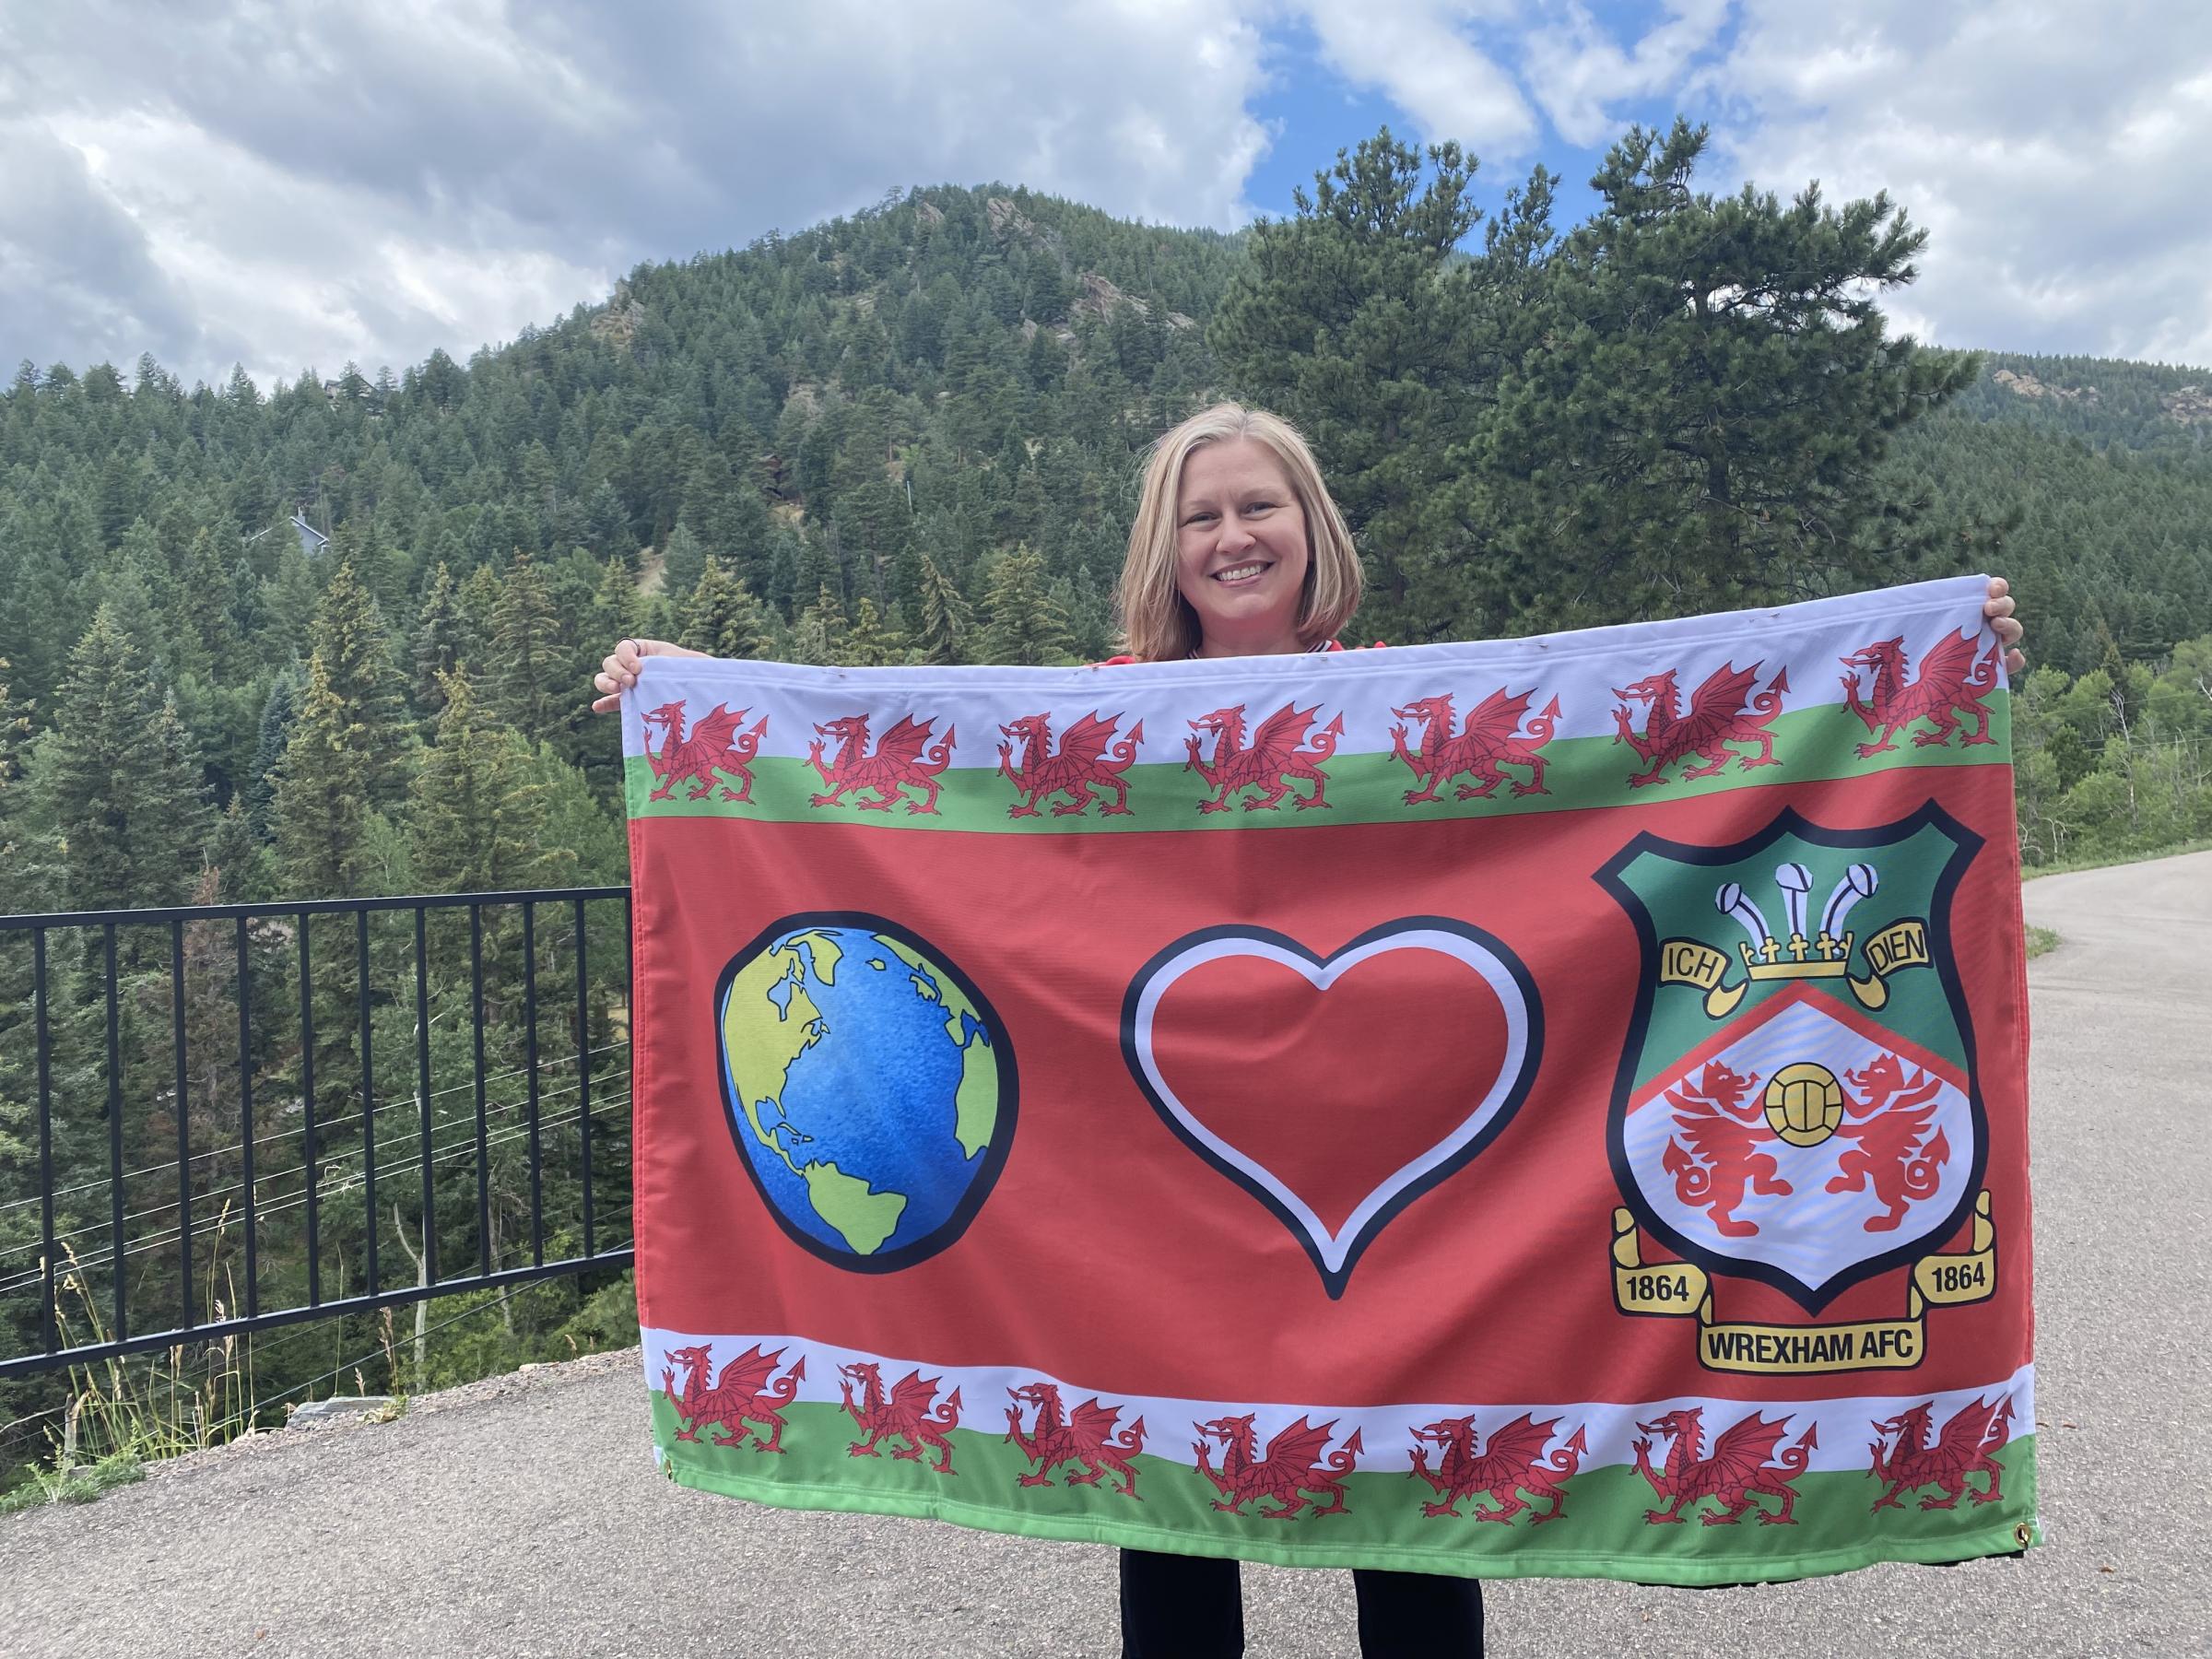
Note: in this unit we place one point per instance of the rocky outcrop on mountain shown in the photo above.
(1101, 299)
(2192, 405)
(2026, 385)
(617, 321)
(1009, 220)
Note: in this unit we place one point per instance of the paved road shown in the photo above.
(521, 1516)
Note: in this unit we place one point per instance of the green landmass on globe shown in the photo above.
(770, 1018)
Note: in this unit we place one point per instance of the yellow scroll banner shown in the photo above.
(1681, 1289)
(1903, 944)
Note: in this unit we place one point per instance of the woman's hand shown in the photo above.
(2008, 632)
(618, 673)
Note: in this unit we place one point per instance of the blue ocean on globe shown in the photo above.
(863, 1087)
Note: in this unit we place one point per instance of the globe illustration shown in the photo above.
(870, 1087)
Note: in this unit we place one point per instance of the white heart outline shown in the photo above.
(1336, 1252)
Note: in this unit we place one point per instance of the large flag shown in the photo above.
(1553, 1106)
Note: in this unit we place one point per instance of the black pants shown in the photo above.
(1193, 1608)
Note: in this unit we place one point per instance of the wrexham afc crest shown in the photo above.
(1796, 1103)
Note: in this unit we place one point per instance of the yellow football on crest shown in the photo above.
(1804, 1103)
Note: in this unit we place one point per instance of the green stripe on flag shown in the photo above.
(1601, 1534)
(1811, 746)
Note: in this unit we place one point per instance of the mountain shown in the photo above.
(915, 430)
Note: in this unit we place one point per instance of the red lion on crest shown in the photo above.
(1716, 717)
(714, 746)
(903, 760)
(1892, 1154)
(1714, 1155)
(1269, 762)
(1513, 1463)
(1089, 758)
(1087, 1438)
(1292, 1466)
(1736, 1476)
(1922, 1458)
(1492, 737)
(736, 1399)
(1950, 685)
(904, 1413)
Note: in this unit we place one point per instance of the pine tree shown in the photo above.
(479, 597)
(948, 621)
(606, 523)
(873, 641)
(1353, 322)
(682, 560)
(1025, 626)
(120, 781)
(723, 619)
(237, 858)
(527, 652)
(440, 638)
(615, 612)
(278, 711)
(350, 641)
(1701, 422)
(202, 610)
(322, 804)
(475, 811)
(819, 634)
(15, 736)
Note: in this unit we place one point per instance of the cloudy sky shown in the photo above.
(282, 183)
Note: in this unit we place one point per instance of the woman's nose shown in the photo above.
(1234, 537)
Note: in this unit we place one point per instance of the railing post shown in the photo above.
(309, 1158)
(584, 1074)
(115, 1254)
(367, 1040)
(49, 1331)
(186, 1315)
(245, 1113)
(537, 1203)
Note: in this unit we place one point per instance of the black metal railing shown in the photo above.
(215, 1118)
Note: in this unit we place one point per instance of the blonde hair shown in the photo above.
(1158, 622)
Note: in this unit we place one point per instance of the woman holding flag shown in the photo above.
(1237, 550)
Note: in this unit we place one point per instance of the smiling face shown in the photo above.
(1240, 549)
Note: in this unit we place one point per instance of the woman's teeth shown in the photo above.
(1244, 572)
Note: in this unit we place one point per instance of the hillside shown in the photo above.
(916, 428)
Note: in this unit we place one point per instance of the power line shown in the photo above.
(392, 1103)
(326, 1193)
(216, 1195)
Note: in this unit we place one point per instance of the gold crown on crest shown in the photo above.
(1826, 954)
(1803, 953)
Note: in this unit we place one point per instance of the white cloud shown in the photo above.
(1420, 55)
(2053, 151)
(298, 183)
(1577, 70)
(285, 183)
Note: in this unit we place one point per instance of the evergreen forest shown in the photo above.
(330, 637)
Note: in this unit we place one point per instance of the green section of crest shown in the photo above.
(1813, 745)
(1603, 1533)
(1680, 898)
